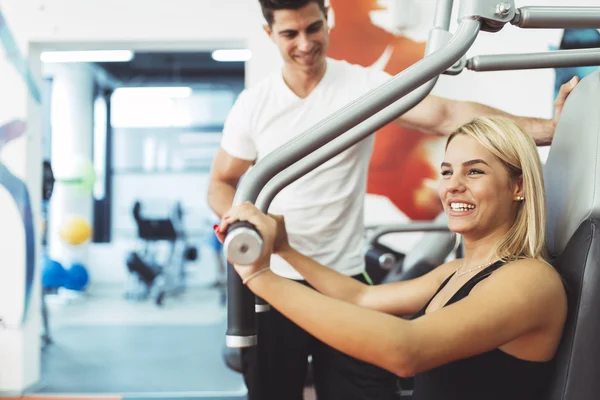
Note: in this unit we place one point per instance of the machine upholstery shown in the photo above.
(573, 206)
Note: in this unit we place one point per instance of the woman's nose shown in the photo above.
(455, 184)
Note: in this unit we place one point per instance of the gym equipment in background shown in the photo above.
(77, 277)
(75, 231)
(150, 277)
(445, 54)
(48, 282)
(47, 180)
(380, 260)
(54, 275)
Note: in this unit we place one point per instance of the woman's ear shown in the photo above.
(518, 194)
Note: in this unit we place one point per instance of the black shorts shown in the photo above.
(276, 369)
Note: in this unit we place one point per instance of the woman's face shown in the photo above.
(476, 190)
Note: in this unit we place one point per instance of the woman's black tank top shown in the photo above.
(494, 375)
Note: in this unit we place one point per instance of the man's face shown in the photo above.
(301, 35)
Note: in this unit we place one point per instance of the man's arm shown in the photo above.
(441, 116)
(224, 176)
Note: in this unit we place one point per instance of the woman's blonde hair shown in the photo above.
(511, 145)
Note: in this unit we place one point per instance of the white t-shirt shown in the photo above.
(323, 209)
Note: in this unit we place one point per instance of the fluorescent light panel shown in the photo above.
(168, 91)
(231, 55)
(86, 56)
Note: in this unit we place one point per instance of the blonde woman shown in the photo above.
(483, 327)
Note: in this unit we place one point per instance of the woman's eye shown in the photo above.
(475, 172)
(446, 173)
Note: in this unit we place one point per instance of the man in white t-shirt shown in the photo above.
(323, 209)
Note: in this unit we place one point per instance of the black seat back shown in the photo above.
(572, 180)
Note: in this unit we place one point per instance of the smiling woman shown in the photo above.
(475, 323)
(491, 172)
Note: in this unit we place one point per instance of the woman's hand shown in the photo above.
(271, 229)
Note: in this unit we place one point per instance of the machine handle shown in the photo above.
(243, 243)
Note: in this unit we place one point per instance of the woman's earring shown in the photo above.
(520, 198)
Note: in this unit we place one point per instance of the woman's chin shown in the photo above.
(458, 228)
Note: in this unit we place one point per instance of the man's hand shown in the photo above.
(559, 102)
(281, 243)
(265, 225)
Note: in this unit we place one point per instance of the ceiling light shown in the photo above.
(168, 91)
(231, 55)
(86, 56)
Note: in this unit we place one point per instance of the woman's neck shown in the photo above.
(482, 249)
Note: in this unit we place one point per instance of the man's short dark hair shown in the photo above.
(268, 6)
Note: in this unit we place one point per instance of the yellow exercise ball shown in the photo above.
(75, 231)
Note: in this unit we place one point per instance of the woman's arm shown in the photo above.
(398, 298)
(516, 300)
(401, 298)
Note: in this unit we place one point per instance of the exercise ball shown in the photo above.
(53, 274)
(75, 231)
(77, 277)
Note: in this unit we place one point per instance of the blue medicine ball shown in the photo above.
(53, 274)
(77, 277)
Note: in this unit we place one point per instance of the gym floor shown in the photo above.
(106, 347)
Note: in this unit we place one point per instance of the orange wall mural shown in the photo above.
(400, 166)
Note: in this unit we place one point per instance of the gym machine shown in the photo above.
(445, 54)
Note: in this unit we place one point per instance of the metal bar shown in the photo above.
(240, 332)
(557, 17)
(405, 228)
(492, 14)
(241, 324)
(443, 14)
(338, 145)
(356, 112)
(439, 37)
(552, 59)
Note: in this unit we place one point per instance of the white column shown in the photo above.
(72, 130)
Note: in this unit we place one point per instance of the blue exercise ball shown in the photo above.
(77, 277)
(54, 274)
